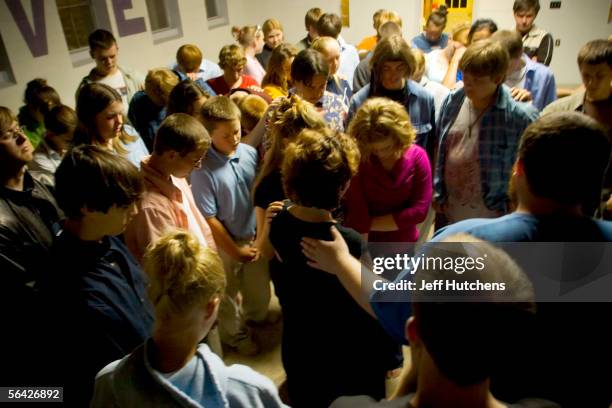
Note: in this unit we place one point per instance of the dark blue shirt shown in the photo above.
(97, 301)
(146, 117)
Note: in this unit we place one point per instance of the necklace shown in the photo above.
(480, 115)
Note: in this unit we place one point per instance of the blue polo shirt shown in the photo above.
(208, 70)
(222, 189)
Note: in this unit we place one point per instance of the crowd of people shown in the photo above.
(141, 229)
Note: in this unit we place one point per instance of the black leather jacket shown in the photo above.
(26, 219)
(26, 233)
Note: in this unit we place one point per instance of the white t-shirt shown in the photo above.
(439, 92)
(117, 82)
(436, 65)
(462, 169)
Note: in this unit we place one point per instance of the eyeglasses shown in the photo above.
(198, 163)
(14, 133)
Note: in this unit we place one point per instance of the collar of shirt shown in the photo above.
(578, 100)
(222, 158)
(83, 251)
(433, 43)
(156, 179)
(533, 32)
(28, 188)
(501, 102)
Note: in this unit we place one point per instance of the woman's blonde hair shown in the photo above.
(246, 35)
(183, 274)
(231, 56)
(378, 120)
(318, 166)
(291, 116)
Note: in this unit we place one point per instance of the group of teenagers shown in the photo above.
(140, 231)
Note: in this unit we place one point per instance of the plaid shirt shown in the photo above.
(501, 128)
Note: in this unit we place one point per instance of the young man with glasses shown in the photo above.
(180, 145)
(28, 212)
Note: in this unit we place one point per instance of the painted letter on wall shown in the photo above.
(127, 27)
(35, 35)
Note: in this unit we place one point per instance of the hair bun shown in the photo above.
(442, 10)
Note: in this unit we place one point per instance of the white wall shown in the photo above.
(575, 23)
(136, 51)
(291, 14)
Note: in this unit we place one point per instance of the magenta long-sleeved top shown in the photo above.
(404, 192)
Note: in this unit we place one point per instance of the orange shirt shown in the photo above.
(367, 44)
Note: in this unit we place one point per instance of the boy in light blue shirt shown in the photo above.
(222, 191)
(528, 80)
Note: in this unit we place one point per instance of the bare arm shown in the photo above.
(256, 136)
(226, 243)
(264, 217)
(450, 79)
